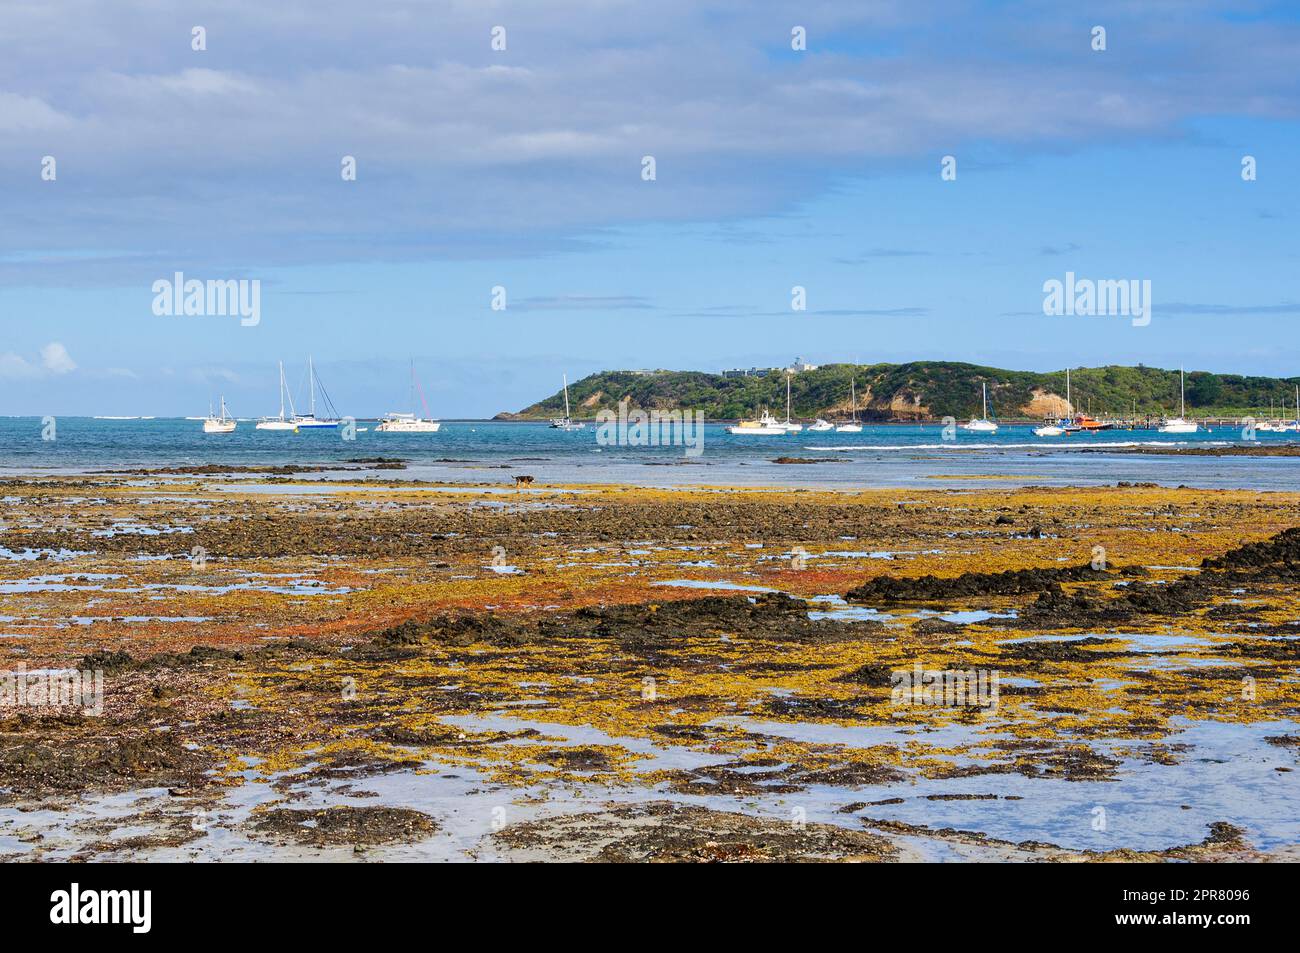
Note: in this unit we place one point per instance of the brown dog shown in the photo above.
(522, 480)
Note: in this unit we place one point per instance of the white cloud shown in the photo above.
(56, 359)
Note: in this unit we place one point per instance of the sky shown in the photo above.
(479, 168)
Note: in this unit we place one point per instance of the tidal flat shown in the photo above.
(407, 670)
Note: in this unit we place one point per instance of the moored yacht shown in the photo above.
(766, 425)
(1180, 424)
(566, 422)
(853, 426)
(410, 423)
(983, 424)
(309, 420)
(222, 424)
(282, 422)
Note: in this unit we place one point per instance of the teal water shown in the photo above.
(886, 455)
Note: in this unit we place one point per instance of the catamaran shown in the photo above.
(410, 423)
(789, 425)
(766, 425)
(983, 424)
(853, 426)
(1057, 428)
(223, 424)
(309, 420)
(282, 422)
(1180, 424)
(566, 422)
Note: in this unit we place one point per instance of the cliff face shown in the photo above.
(920, 390)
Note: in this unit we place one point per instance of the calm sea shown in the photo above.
(894, 456)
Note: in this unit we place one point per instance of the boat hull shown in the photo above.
(408, 426)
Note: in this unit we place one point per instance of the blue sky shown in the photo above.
(522, 169)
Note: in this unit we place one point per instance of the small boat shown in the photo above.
(282, 422)
(1058, 427)
(789, 425)
(983, 424)
(820, 426)
(566, 422)
(223, 424)
(410, 423)
(853, 426)
(766, 425)
(309, 420)
(1180, 424)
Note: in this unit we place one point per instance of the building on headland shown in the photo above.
(799, 365)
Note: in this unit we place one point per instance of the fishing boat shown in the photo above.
(853, 426)
(1179, 424)
(1057, 428)
(309, 420)
(282, 422)
(222, 424)
(766, 425)
(789, 425)
(410, 423)
(982, 424)
(566, 422)
(820, 426)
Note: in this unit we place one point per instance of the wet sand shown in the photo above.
(594, 672)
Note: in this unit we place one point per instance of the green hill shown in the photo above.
(925, 390)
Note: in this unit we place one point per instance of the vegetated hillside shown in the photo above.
(924, 390)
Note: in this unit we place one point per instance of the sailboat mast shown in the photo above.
(311, 384)
(282, 390)
(566, 397)
(985, 392)
(1182, 395)
(1069, 411)
(787, 398)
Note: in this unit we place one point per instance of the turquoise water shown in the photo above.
(491, 451)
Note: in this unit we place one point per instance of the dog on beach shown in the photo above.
(522, 480)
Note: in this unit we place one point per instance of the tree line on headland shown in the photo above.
(925, 390)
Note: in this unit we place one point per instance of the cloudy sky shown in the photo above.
(522, 168)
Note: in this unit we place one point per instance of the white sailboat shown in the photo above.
(566, 422)
(983, 424)
(223, 424)
(309, 420)
(854, 426)
(766, 425)
(282, 422)
(410, 423)
(789, 425)
(1057, 429)
(1180, 424)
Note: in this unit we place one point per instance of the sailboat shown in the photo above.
(790, 426)
(309, 420)
(766, 425)
(1180, 424)
(282, 422)
(853, 426)
(1057, 429)
(983, 424)
(223, 424)
(1293, 426)
(410, 423)
(566, 422)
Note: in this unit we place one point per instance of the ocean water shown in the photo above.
(492, 451)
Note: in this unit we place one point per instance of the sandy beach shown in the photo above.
(410, 670)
